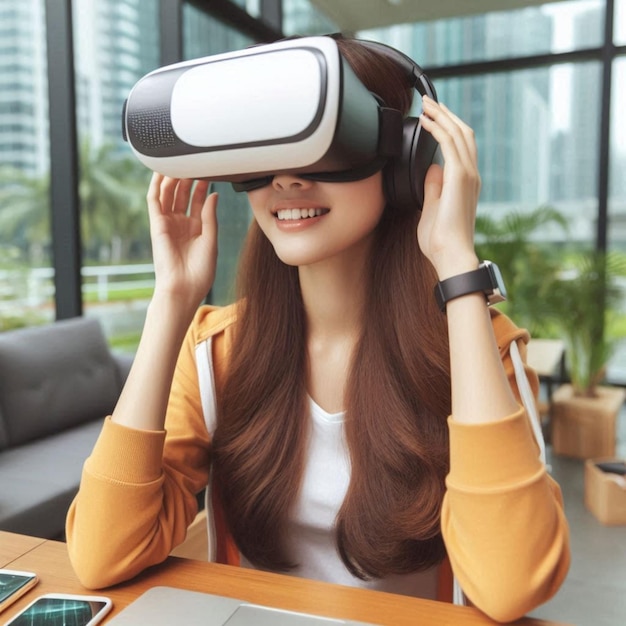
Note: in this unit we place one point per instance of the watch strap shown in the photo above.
(482, 280)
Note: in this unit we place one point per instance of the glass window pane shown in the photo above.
(204, 36)
(620, 23)
(617, 173)
(116, 42)
(301, 17)
(555, 27)
(617, 200)
(253, 7)
(535, 143)
(26, 273)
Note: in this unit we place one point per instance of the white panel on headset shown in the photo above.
(237, 89)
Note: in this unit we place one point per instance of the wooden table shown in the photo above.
(49, 559)
(13, 546)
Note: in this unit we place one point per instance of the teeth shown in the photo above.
(298, 214)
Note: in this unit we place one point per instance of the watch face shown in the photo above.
(499, 289)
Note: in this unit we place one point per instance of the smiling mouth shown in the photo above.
(299, 214)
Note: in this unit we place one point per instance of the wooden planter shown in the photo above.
(585, 427)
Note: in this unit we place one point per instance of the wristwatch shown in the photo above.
(486, 279)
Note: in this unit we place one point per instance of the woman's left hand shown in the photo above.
(446, 228)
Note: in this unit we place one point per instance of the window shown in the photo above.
(617, 178)
(548, 111)
(115, 43)
(203, 35)
(617, 191)
(620, 23)
(534, 145)
(26, 274)
(302, 17)
(253, 7)
(557, 27)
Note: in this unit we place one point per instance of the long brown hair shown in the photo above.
(397, 396)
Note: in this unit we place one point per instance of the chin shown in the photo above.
(299, 260)
(300, 257)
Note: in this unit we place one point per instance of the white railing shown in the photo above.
(35, 286)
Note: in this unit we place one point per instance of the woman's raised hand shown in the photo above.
(183, 229)
(446, 228)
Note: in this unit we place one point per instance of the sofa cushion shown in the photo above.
(54, 377)
(40, 479)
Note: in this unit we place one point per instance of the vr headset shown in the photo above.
(291, 106)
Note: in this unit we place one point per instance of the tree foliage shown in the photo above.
(585, 299)
(113, 216)
(564, 291)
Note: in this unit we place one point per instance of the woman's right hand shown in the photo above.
(183, 229)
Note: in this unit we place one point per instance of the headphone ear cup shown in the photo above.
(404, 175)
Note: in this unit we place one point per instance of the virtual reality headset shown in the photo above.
(291, 106)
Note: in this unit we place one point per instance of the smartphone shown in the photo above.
(14, 584)
(54, 609)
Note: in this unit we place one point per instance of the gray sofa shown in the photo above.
(57, 383)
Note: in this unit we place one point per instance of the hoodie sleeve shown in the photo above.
(138, 489)
(502, 518)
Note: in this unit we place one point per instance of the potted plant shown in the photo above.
(573, 296)
(584, 301)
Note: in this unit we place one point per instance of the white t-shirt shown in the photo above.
(311, 530)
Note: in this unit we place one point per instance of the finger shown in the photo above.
(153, 196)
(458, 162)
(448, 125)
(459, 132)
(449, 148)
(181, 195)
(198, 198)
(167, 191)
(470, 137)
(208, 214)
(208, 218)
(441, 113)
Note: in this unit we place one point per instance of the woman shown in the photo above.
(361, 435)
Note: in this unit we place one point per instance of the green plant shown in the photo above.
(527, 263)
(584, 301)
(558, 292)
(19, 319)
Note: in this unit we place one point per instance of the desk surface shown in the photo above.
(50, 561)
(13, 546)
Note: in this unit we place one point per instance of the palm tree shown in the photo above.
(112, 203)
(112, 198)
(24, 214)
(585, 300)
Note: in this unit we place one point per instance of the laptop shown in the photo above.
(169, 606)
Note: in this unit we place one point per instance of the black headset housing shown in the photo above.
(404, 174)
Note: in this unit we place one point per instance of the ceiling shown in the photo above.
(354, 15)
